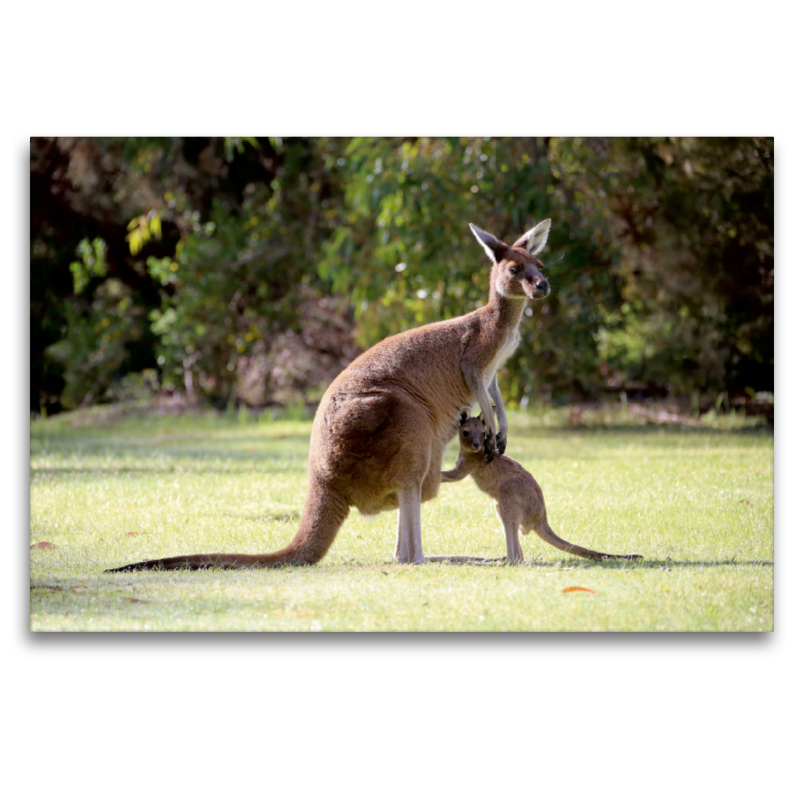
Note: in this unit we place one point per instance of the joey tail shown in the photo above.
(323, 515)
(545, 532)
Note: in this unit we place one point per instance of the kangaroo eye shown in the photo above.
(515, 270)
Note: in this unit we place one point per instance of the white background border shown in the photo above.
(383, 716)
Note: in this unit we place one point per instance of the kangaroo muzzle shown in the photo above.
(537, 289)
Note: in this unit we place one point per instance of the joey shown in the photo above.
(518, 498)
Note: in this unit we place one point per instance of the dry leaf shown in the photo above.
(42, 545)
(134, 533)
(134, 600)
(578, 589)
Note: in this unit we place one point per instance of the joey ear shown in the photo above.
(464, 417)
(494, 248)
(536, 238)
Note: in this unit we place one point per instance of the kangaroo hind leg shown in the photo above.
(509, 520)
(409, 526)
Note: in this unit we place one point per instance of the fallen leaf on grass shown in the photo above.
(578, 589)
(42, 545)
(134, 533)
(134, 600)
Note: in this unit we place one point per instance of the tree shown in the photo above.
(233, 267)
(181, 255)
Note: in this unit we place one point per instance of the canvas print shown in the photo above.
(412, 384)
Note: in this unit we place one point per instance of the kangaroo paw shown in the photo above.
(489, 449)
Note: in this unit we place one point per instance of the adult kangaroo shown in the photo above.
(381, 428)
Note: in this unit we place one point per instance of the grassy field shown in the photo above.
(697, 503)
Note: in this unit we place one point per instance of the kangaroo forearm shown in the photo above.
(474, 379)
(488, 412)
(458, 473)
(500, 409)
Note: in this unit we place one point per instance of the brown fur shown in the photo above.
(381, 428)
(518, 498)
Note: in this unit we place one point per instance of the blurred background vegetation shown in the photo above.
(250, 271)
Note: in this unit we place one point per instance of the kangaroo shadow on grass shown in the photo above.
(614, 564)
(669, 563)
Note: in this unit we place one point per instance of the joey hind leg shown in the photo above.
(511, 526)
(409, 526)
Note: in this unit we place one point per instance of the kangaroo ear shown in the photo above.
(464, 417)
(494, 248)
(536, 238)
(482, 418)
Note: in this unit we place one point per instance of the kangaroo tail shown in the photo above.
(546, 533)
(323, 515)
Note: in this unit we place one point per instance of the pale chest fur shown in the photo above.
(502, 355)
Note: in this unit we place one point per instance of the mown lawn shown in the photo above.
(696, 503)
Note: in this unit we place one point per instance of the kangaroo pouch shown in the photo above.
(368, 444)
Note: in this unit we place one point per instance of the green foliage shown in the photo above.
(91, 265)
(96, 348)
(240, 276)
(406, 256)
(706, 273)
(141, 229)
(235, 144)
(660, 257)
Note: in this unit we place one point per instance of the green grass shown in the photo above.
(696, 503)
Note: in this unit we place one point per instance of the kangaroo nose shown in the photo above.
(542, 285)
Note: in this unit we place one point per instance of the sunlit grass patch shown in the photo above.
(697, 504)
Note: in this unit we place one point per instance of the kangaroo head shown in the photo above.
(517, 272)
(471, 434)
